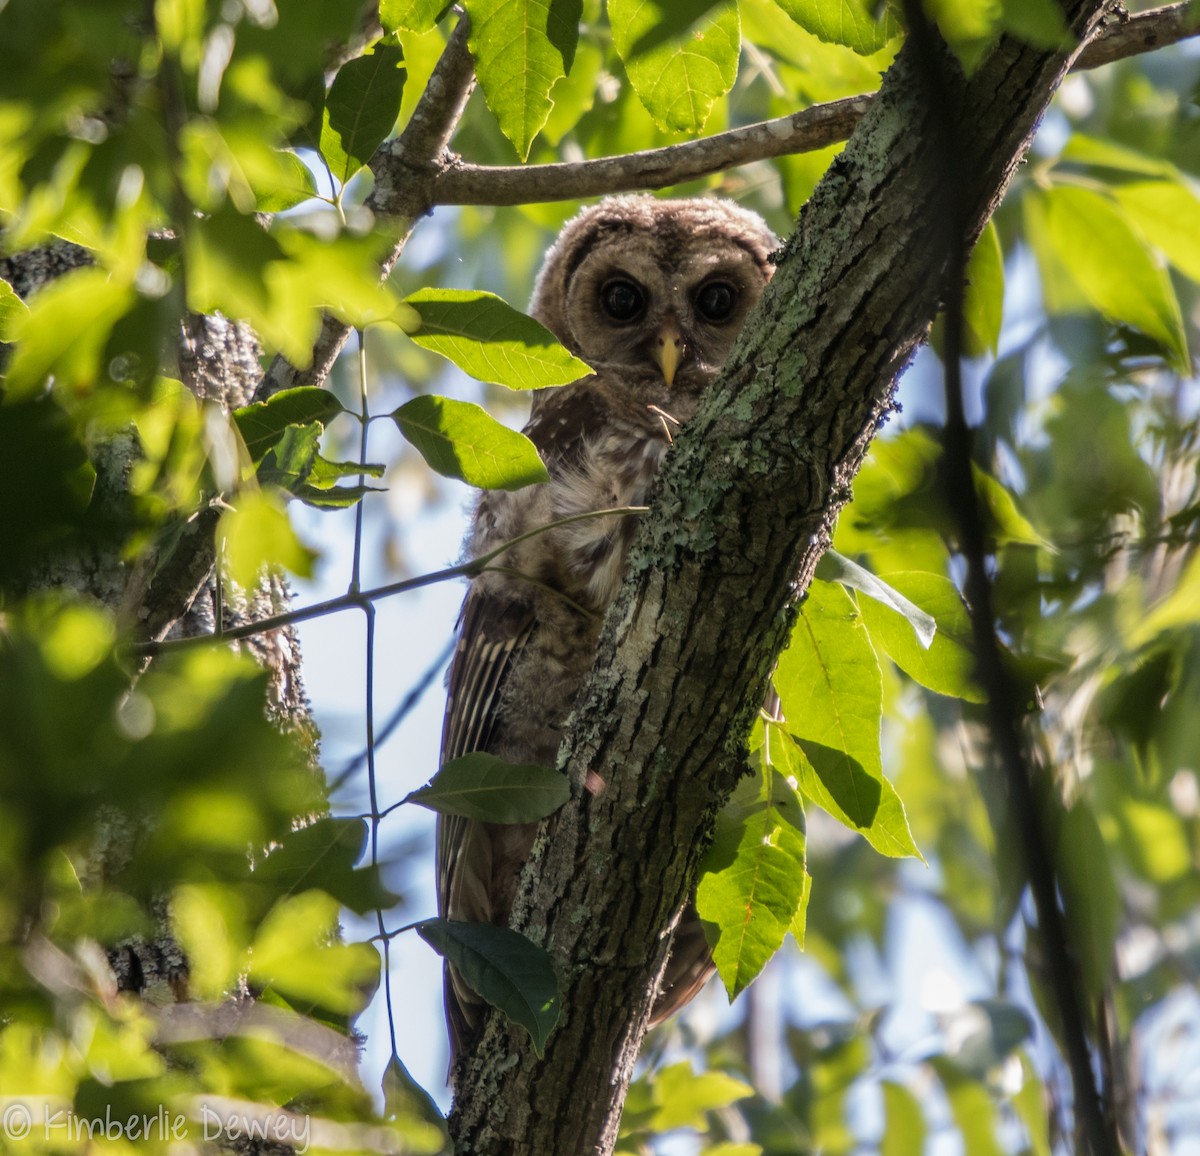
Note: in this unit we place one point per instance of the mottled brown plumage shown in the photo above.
(651, 294)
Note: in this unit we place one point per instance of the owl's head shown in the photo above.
(645, 284)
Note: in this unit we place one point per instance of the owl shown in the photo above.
(651, 293)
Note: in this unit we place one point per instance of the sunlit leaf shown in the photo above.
(462, 440)
(947, 665)
(682, 1097)
(973, 1109)
(11, 307)
(63, 332)
(211, 923)
(481, 786)
(296, 954)
(503, 968)
(1037, 22)
(361, 108)
(413, 15)
(753, 877)
(256, 533)
(489, 339)
(983, 302)
(681, 56)
(904, 1122)
(520, 48)
(1112, 267)
(1108, 154)
(835, 567)
(829, 686)
(1168, 213)
(847, 22)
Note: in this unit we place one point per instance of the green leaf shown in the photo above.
(481, 786)
(323, 855)
(1037, 22)
(835, 567)
(904, 1127)
(947, 665)
(855, 791)
(295, 953)
(264, 423)
(1107, 154)
(503, 968)
(283, 195)
(46, 460)
(846, 22)
(1168, 213)
(753, 878)
(983, 302)
(11, 308)
(682, 1098)
(412, 15)
(486, 337)
(362, 107)
(831, 692)
(681, 55)
(1091, 901)
(461, 440)
(256, 533)
(413, 1108)
(520, 48)
(1030, 1103)
(1112, 266)
(1005, 523)
(63, 332)
(972, 1107)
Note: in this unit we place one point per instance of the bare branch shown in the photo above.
(805, 131)
(814, 128)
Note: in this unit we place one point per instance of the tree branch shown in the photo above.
(741, 513)
(405, 170)
(813, 128)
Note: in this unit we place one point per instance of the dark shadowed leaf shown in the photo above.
(503, 968)
(481, 786)
(324, 855)
(362, 106)
(263, 424)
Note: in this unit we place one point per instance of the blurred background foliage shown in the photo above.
(916, 1019)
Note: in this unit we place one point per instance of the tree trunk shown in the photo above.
(742, 512)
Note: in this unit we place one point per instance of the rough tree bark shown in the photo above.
(742, 512)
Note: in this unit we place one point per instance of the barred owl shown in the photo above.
(651, 293)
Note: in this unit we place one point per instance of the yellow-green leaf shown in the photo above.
(520, 48)
(462, 440)
(681, 55)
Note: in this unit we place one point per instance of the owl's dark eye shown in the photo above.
(716, 300)
(622, 300)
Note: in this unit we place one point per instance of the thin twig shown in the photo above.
(352, 600)
(814, 128)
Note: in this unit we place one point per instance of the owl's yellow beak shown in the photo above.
(667, 350)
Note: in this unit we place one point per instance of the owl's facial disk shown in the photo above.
(632, 302)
